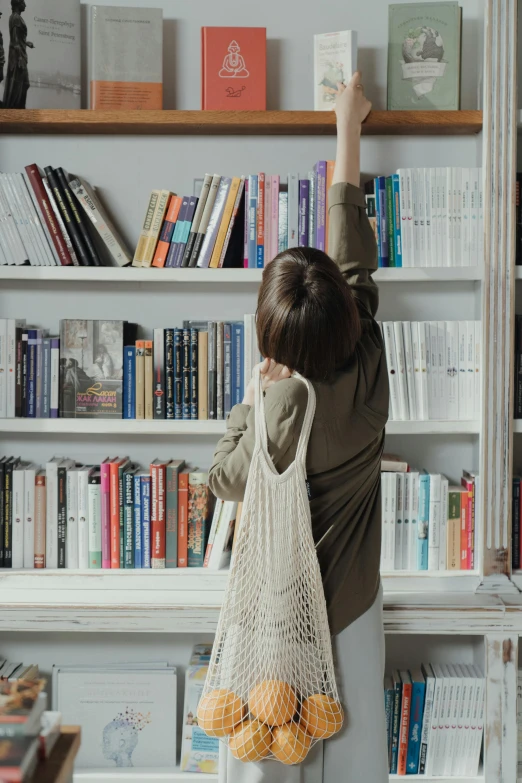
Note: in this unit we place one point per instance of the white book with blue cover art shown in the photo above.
(335, 61)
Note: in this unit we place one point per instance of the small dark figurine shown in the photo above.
(2, 54)
(17, 79)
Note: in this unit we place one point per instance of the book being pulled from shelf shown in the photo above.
(435, 720)
(428, 217)
(434, 369)
(428, 524)
(335, 61)
(111, 514)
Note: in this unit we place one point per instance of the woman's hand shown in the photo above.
(352, 106)
(270, 373)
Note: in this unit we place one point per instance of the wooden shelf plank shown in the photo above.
(253, 123)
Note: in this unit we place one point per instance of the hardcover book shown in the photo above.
(91, 367)
(126, 69)
(41, 49)
(335, 60)
(233, 68)
(424, 56)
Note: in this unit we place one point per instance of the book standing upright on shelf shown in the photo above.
(233, 68)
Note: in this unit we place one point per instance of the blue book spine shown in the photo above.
(383, 236)
(46, 377)
(423, 522)
(388, 711)
(129, 382)
(304, 212)
(178, 233)
(396, 725)
(145, 521)
(227, 369)
(377, 219)
(414, 737)
(252, 221)
(397, 219)
(178, 374)
(31, 373)
(238, 338)
(39, 375)
(137, 521)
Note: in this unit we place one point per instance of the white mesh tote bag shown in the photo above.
(270, 690)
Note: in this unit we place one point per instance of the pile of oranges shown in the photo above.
(273, 723)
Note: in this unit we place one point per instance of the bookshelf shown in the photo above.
(153, 775)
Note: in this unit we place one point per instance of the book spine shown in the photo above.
(129, 382)
(95, 505)
(185, 232)
(516, 524)
(159, 374)
(434, 524)
(214, 222)
(46, 378)
(8, 515)
(426, 723)
(232, 222)
(164, 242)
(283, 222)
(67, 217)
(227, 369)
(423, 523)
(212, 371)
(155, 228)
(78, 217)
(246, 226)
(17, 520)
(178, 373)
(203, 196)
(197, 521)
(470, 517)
(219, 370)
(194, 386)
(252, 221)
(2, 513)
(397, 223)
(169, 374)
(145, 231)
(171, 539)
(72, 541)
(389, 221)
(405, 720)
(3, 368)
(51, 538)
(105, 484)
(202, 375)
(149, 380)
(55, 377)
(453, 532)
(128, 519)
(114, 514)
(83, 519)
(39, 520)
(304, 212)
(18, 373)
(321, 205)
(396, 726)
(145, 521)
(260, 222)
(39, 374)
(53, 227)
(414, 735)
(158, 529)
(183, 520)
(186, 354)
(31, 373)
(62, 516)
(121, 513)
(238, 330)
(137, 520)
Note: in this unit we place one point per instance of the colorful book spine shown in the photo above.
(46, 378)
(129, 382)
(260, 222)
(238, 331)
(169, 374)
(136, 481)
(178, 373)
(389, 221)
(203, 375)
(157, 515)
(185, 232)
(95, 507)
(145, 521)
(219, 370)
(140, 379)
(171, 510)
(203, 196)
(470, 517)
(396, 211)
(320, 205)
(304, 212)
(225, 227)
(178, 232)
(62, 515)
(39, 518)
(198, 519)
(282, 243)
(405, 722)
(159, 374)
(246, 226)
(380, 186)
(397, 713)
(252, 221)
(114, 494)
(31, 373)
(293, 210)
(183, 484)
(39, 375)
(415, 729)
(227, 369)
(167, 232)
(423, 522)
(274, 218)
(194, 385)
(212, 370)
(128, 518)
(186, 374)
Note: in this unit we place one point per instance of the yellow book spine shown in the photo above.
(203, 375)
(155, 228)
(147, 223)
(225, 222)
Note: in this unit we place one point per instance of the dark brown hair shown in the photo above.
(307, 318)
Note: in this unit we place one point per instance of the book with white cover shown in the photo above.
(388, 529)
(71, 552)
(444, 499)
(128, 717)
(416, 208)
(436, 715)
(391, 360)
(414, 517)
(10, 364)
(465, 240)
(464, 757)
(418, 347)
(29, 484)
(406, 522)
(452, 370)
(427, 717)
(443, 713)
(475, 175)
(18, 203)
(432, 346)
(293, 210)
(434, 522)
(83, 516)
(455, 708)
(399, 520)
(457, 197)
(477, 724)
(410, 372)
(218, 555)
(335, 61)
(404, 413)
(431, 197)
(478, 374)
(442, 369)
(463, 718)
(470, 367)
(51, 251)
(218, 508)
(423, 216)
(17, 515)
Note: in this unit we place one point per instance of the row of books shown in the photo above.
(111, 515)
(99, 369)
(435, 720)
(427, 524)
(434, 369)
(428, 217)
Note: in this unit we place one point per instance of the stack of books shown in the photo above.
(427, 523)
(435, 720)
(111, 515)
(434, 369)
(99, 369)
(428, 217)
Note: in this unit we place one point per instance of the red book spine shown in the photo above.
(183, 520)
(463, 532)
(115, 513)
(405, 725)
(105, 494)
(158, 517)
(54, 229)
(470, 487)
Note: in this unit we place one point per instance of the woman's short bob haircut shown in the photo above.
(307, 317)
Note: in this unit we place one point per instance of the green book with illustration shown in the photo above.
(424, 54)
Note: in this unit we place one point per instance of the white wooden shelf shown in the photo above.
(215, 276)
(140, 776)
(478, 779)
(110, 427)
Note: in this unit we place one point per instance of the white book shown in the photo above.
(465, 238)
(421, 347)
(405, 219)
(443, 718)
(418, 244)
(218, 508)
(426, 190)
(83, 516)
(442, 174)
(391, 359)
(410, 372)
(450, 260)
(94, 519)
(12, 325)
(457, 195)
(3, 368)
(293, 210)
(464, 406)
(434, 542)
(387, 550)
(477, 724)
(50, 250)
(38, 235)
(478, 374)
(55, 378)
(29, 508)
(428, 713)
(437, 714)
(17, 516)
(470, 367)
(399, 520)
(406, 522)
(455, 691)
(475, 259)
(414, 517)
(433, 371)
(462, 719)
(335, 60)
(434, 253)
(16, 251)
(218, 556)
(464, 758)
(442, 370)
(444, 500)
(51, 537)
(19, 220)
(71, 550)
(452, 370)
(404, 413)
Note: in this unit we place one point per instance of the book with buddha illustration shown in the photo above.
(233, 69)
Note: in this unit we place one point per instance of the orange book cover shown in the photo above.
(233, 68)
(330, 165)
(167, 232)
(183, 518)
(114, 495)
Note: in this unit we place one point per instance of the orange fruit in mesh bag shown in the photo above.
(291, 744)
(321, 716)
(219, 712)
(273, 702)
(250, 741)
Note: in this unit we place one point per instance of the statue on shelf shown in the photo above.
(2, 55)
(234, 64)
(17, 78)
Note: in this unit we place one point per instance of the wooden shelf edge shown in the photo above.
(254, 123)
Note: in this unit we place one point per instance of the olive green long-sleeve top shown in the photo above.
(346, 442)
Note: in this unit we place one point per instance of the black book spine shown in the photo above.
(186, 373)
(189, 247)
(62, 515)
(178, 373)
(518, 367)
(518, 219)
(159, 374)
(2, 511)
(8, 513)
(18, 372)
(196, 249)
(68, 217)
(78, 216)
(169, 374)
(25, 337)
(212, 371)
(193, 373)
(516, 523)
